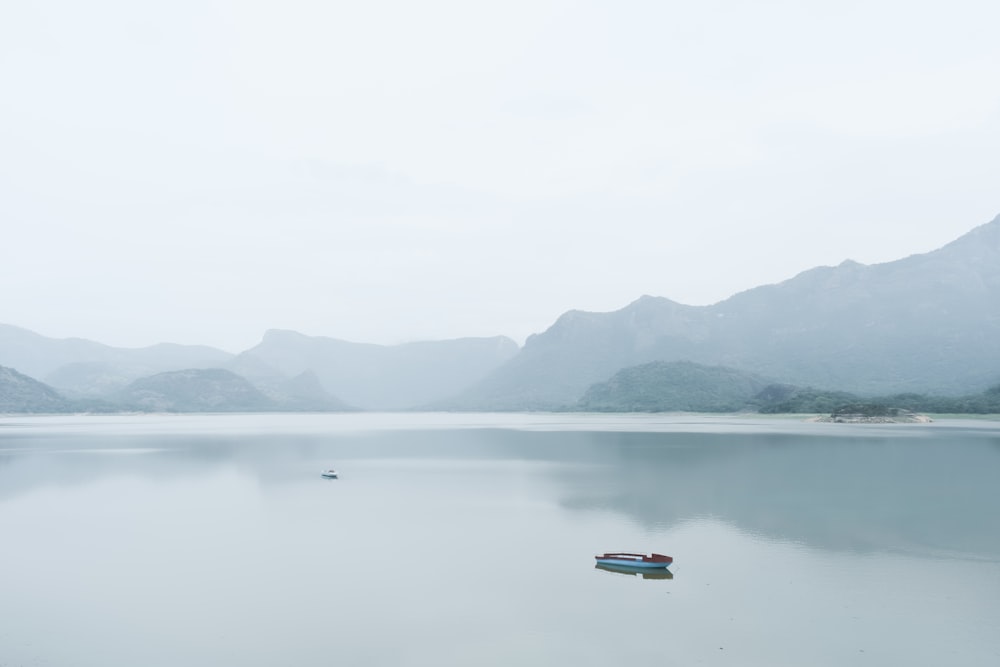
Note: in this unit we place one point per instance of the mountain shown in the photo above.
(674, 386)
(195, 390)
(84, 368)
(304, 392)
(291, 371)
(86, 379)
(301, 392)
(377, 377)
(929, 322)
(554, 368)
(20, 393)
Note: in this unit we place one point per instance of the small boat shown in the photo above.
(330, 474)
(634, 560)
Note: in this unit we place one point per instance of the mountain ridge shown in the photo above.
(928, 321)
(925, 322)
(386, 377)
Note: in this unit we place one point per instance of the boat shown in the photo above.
(634, 560)
(330, 474)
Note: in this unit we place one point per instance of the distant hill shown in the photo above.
(682, 386)
(807, 400)
(926, 323)
(20, 393)
(292, 371)
(554, 368)
(678, 386)
(304, 392)
(190, 390)
(788, 399)
(88, 379)
(195, 390)
(379, 377)
(83, 368)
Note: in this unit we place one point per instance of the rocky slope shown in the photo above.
(20, 393)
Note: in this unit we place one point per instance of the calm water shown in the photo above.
(469, 540)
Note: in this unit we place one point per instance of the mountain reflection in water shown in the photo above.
(920, 489)
(465, 539)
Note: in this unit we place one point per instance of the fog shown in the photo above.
(389, 172)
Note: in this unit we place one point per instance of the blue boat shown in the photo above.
(626, 559)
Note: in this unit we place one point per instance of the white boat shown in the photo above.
(329, 474)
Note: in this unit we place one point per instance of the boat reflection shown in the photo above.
(647, 573)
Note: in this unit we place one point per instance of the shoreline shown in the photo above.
(872, 419)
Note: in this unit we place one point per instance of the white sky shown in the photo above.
(200, 171)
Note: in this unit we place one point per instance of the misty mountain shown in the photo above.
(382, 377)
(195, 390)
(929, 323)
(674, 386)
(304, 392)
(88, 379)
(301, 392)
(83, 368)
(20, 393)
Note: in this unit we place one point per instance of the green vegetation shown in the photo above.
(867, 410)
(688, 387)
(987, 402)
(801, 401)
(815, 401)
(679, 386)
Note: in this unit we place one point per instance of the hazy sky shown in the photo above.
(201, 171)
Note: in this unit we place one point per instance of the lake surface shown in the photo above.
(469, 540)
